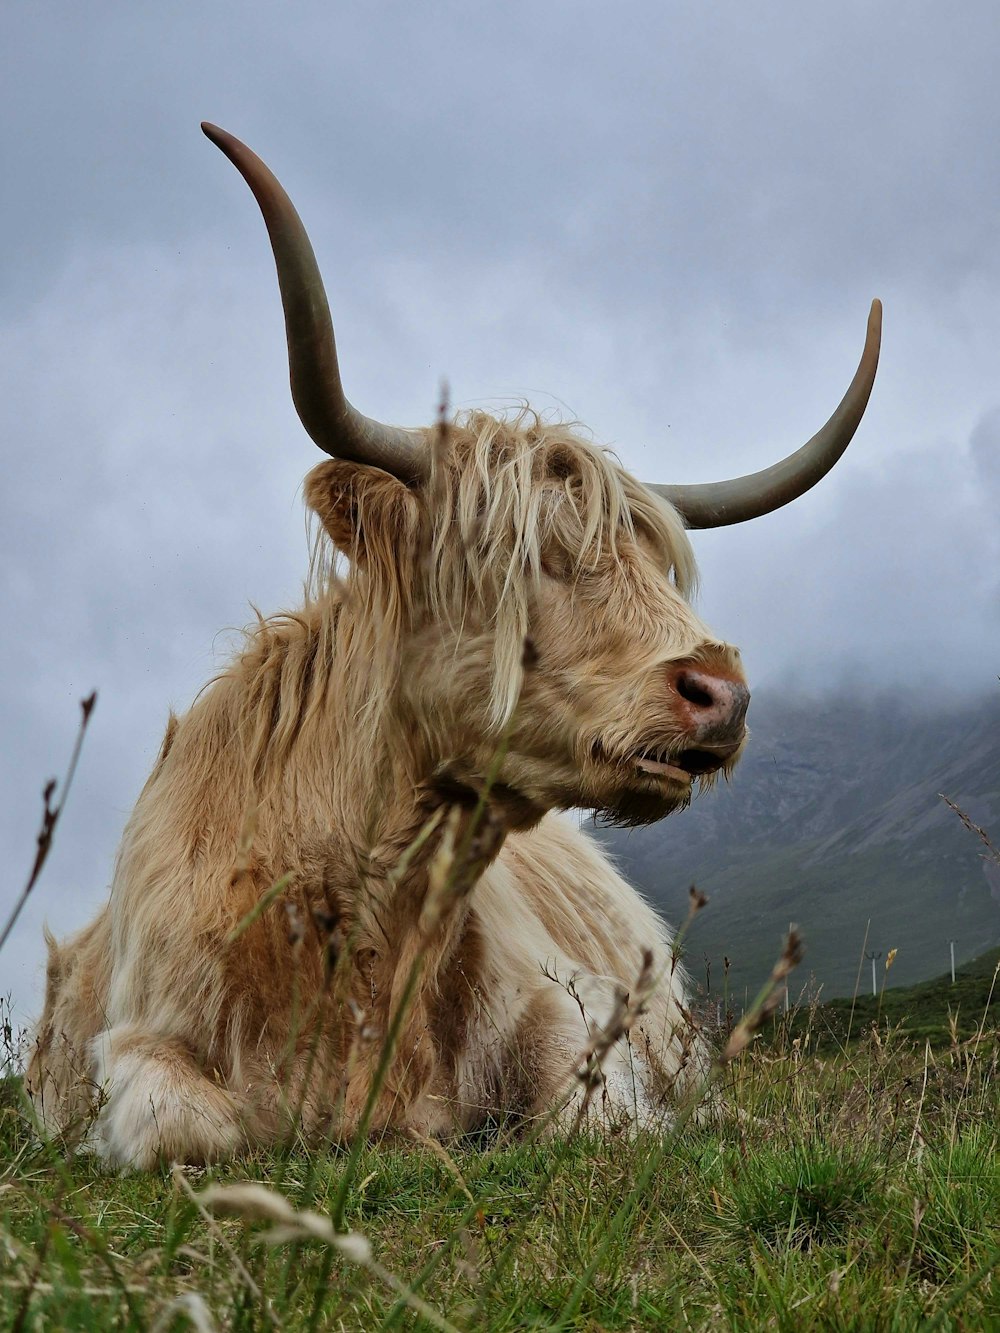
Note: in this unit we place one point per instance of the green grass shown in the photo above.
(855, 1191)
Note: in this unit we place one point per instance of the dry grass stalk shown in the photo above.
(992, 851)
(767, 1001)
(50, 817)
(629, 1006)
(257, 1203)
(194, 1310)
(438, 1150)
(180, 1180)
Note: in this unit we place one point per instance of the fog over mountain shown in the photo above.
(667, 223)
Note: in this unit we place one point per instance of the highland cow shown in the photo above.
(351, 842)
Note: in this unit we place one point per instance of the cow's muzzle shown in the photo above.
(711, 706)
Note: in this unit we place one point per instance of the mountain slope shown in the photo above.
(834, 820)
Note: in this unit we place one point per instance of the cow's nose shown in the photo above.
(711, 707)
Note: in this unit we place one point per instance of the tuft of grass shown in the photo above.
(807, 1193)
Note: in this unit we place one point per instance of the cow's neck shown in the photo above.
(364, 774)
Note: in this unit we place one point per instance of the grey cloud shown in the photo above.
(892, 583)
(984, 449)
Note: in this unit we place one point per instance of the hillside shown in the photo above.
(937, 1011)
(834, 820)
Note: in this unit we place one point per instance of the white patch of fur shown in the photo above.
(526, 965)
(158, 1105)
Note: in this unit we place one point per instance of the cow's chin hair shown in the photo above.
(636, 809)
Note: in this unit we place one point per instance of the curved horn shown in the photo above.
(336, 426)
(717, 503)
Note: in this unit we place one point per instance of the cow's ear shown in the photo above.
(366, 512)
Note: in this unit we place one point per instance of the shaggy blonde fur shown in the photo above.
(525, 602)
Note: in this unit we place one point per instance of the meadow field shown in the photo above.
(845, 1179)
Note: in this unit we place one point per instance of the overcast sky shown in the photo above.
(665, 220)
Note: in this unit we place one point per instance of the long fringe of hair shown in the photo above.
(506, 491)
(506, 497)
